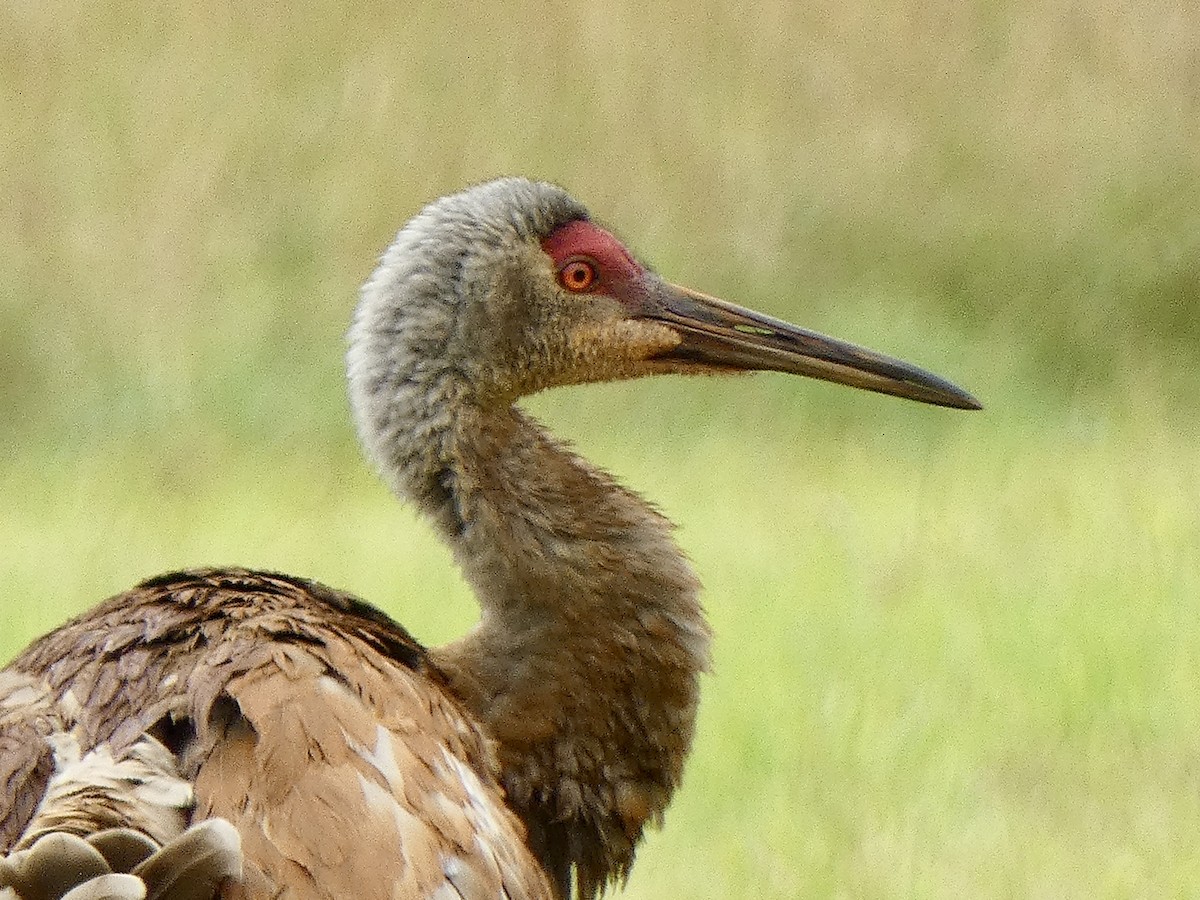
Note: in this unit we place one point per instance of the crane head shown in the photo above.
(509, 287)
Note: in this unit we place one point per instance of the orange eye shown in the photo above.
(578, 275)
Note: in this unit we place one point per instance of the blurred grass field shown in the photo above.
(957, 654)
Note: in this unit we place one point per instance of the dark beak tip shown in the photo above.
(967, 401)
(957, 398)
(948, 395)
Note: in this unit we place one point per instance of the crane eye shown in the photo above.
(578, 275)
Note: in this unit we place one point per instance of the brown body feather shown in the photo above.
(302, 716)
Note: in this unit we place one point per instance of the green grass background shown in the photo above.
(957, 654)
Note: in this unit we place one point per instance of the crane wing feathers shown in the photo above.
(310, 722)
(28, 716)
(320, 784)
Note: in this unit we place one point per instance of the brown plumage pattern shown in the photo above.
(282, 706)
(238, 734)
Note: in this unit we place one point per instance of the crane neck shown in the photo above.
(585, 663)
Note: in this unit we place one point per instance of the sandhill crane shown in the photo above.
(245, 734)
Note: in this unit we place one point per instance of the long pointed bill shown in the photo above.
(720, 334)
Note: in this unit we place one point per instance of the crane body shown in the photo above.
(224, 732)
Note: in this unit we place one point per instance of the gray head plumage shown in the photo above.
(413, 345)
